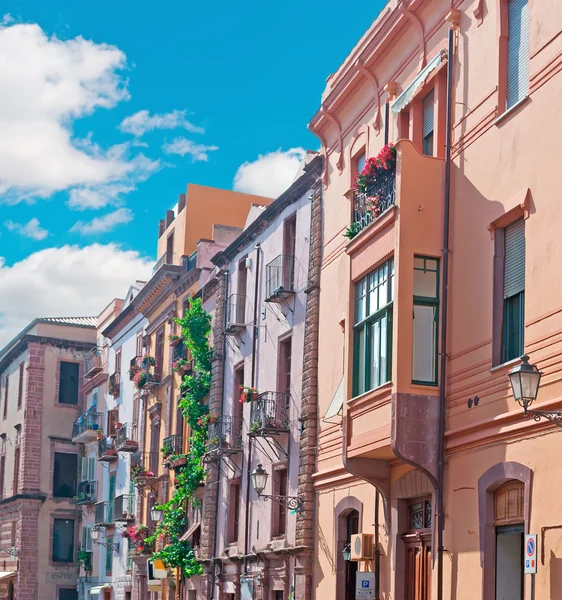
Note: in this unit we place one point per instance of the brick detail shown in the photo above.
(32, 422)
(26, 542)
(209, 517)
(305, 526)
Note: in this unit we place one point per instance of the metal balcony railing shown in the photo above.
(87, 425)
(168, 258)
(173, 444)
(107, 450)
(93, 363)
(144, 465)
(235, 312)
(134, 367)
(126, 438)
(270, 414)
(280, 277)
(225, 436)
(103, 513)
(124, 509)
(114, 384)
(375, 201)
(87, 492)
(190, 261)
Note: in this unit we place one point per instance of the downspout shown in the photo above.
(253, 384)
(377, 550)
(213, 576)
(386, 121)
(445, 298)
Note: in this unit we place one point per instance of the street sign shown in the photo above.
(530, 554)
(364, 586)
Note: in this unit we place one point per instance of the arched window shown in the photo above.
(510, 529)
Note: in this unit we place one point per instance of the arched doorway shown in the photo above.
(11, 594)
(352, 525)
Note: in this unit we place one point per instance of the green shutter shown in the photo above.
(514, 261)
(517, 51)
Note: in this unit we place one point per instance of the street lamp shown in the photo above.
(525, 380)
(95, 534)
(346, 552)
(156, 513)
(259, 478)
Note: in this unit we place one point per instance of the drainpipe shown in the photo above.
(213, 570)
(445, 298)
(253, 384)
(386, 121)
(377, 550)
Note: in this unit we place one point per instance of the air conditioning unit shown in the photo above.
(363, 546)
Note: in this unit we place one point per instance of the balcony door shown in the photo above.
(417, 546)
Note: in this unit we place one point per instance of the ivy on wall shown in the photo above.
(177, 554)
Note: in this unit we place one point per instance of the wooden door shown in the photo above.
(418, 566)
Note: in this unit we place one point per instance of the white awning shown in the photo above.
(6, 574)
(406, 96)
(94, 591)
(336, 404)
(185, 537)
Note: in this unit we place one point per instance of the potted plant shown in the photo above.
(140, 379)
(247, 394)
(148, 361)
(174, 340)
(85, 560)
(256, 426)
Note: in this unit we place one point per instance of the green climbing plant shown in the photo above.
(195, 330)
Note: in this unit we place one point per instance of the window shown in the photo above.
(280, 510)
(65, 474)
(289, 250)
(419, 515)
(118, 361)
(86, 539)
(233, 512)
(6, 384)
(360, 162)
(278, 595)
(108, 555)
(20, 388)
(508, 503)
(284, 372)
(159, 353)
(373, 329)
(513, 291)
(68, 383)
(63, 540)
(241, 288)
(139, 344)
(112, 418)
(68, 594)
(88, 468)
(428, 123)
(2, 474)
(16, 470)
(517, 51)
(425, 320)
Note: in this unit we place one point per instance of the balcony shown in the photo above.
(125, 438)
(93, 363)
(144, 468)
(114, 384)
(107, 451)
(269, 414)
(172, 451)
(168, 258)
(375, 201)
(87, 427)
(280, 278)
(235, 311)
(225, 436)
(87, 492)
(134, 367)
(190, 261)
(123, 507)
(103, 514)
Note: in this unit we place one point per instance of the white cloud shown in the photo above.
(45, 85)
(31, 229)
(103, 224)
(64, 282)
(271, 174)
(141, 122)
(183, 146)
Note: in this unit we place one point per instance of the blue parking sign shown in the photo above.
(365, 583)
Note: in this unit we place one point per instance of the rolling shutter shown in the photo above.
(517, 51)
(428, 112)
(361, 160)
(514, 266)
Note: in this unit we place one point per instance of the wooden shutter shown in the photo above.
(514, 269)
(517, 51)
(112, 417)
(84, 469)
(428, 114)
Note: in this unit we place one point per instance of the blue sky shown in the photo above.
(228, 82)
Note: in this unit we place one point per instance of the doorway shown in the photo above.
(417, 546)
(351, 566)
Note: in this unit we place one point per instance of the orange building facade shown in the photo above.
(446, 277)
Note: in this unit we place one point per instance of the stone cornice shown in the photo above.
(167, 313)
(187, 280)
(39, 496)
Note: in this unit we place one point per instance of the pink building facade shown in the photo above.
(419, 433)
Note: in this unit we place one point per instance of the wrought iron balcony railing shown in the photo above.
(107, 451)
(225, 436)
(103, 514)
(168, 258)
(86, 427)
(270, 414)
(235, 312)
(126, 438)
(173, 444)
(280, 278)
(375, 201)
(123, 508)
(144, 466)
(87, 492)
(93, 363)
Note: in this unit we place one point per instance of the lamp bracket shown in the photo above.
(554, 416)
(291, 502)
